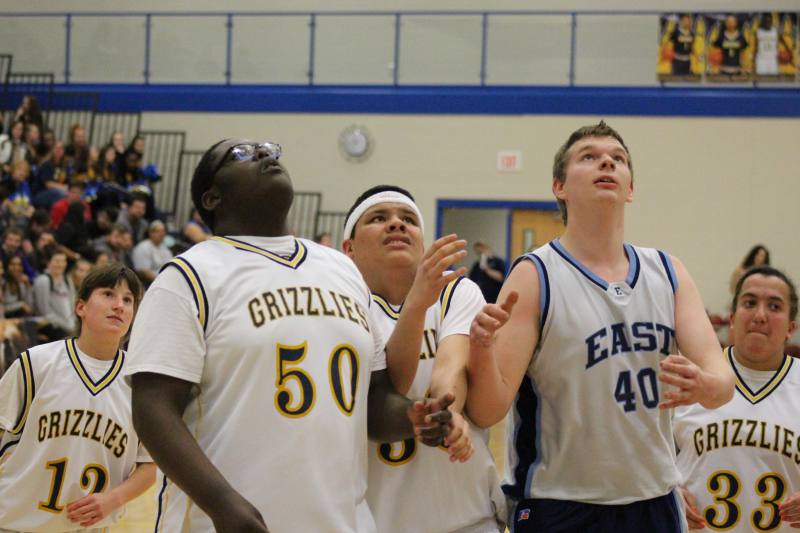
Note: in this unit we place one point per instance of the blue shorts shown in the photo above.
(659, 515)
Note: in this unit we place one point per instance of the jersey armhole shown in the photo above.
(28, 390)
(669, 269)
(195, 285)
(544, 288)
(446, 296)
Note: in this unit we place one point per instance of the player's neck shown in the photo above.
(253, 228)
(770, 364)
(392, 284)
(595, 239)
(100, 347)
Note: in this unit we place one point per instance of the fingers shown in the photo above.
(510, 301)
(459, 441)
(790, 509)
(85, 511)
(437, 424)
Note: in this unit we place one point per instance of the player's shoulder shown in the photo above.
(45, 352)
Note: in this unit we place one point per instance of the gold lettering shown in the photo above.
(90, 417)
(751, 424)
(712, 436)
(42, 427)
(348, 305)
(295, 301)
(256, 314)
(336, 301)
(283, 301)
(788, 437)
(95, 436)
(325, 310)
(120, 449)
(311, 310)
(761, 442)
(272, 306)
(698, 441)
(55, 422)
(737, 426)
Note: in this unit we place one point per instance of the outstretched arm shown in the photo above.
(502, 340)
(701, 373)
(158, 405)
(402, 349)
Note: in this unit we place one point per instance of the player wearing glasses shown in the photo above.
(251, 361)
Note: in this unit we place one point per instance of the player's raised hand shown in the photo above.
(459, 441)
(693, 516)
(91, 509)
(431, 419)
(691, 381)
(790, 510)
(430, 278)
(491, 318)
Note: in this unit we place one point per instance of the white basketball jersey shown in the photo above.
(742, 459)
(585, 425)
(71, 435)
(413, 487)
(767, 55)
(283, 370)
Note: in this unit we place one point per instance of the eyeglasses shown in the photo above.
(245, 152)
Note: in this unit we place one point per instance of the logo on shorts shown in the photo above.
(524, 514)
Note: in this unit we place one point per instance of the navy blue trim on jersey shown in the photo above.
(777, 378)
(294, 261)
(160, 504)
(26, 367)
(634, 265)
(667, 262)
(527, 440)
(387, 308)
(8, 445)
(591, 276)
(445, 304)
(195, 286)
(544, 287)
(95, 387)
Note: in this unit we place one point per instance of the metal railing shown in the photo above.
(570, 45)
(106, 124)
(302, 217)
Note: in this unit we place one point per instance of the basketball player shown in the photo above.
(69, 454)
(682, 39)
(740, 462)
(732, 43)
(593, 331)
(251, 360)
(411, 487)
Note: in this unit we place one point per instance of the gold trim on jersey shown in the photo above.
(95, 387)
(446, 296)
(766, 390)
(293, 261)
(29, 390)
(386, 307)
(198, 292)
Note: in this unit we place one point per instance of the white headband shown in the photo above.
(383, 197)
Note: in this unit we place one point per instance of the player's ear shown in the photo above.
(558, 189)
(347, 247)
(792, 329)
(80, 308)
(211, 198)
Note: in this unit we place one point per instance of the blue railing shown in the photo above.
(477, 48)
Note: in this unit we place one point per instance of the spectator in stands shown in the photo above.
(54, 299)
(152, 253)
(75, 192)
(72, 235)
(117, 245)
(117, 141)
(35, 149)
(102, 259)
(17, 289)
(51, 183)
(133, 218)
(79, 271)
(324, 239)
(18, 207)
(39, 243)
(488, 272)
(12, 146)
(12, 246)
(196, 230)
(48, 143)
(757, 256)
(78, 149)
(28, 112)
(103, 221)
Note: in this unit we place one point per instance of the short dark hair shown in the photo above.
(138, 197)
(766, 270)
(369, 192)
(107, 277)
(202, 180)
(560, 161)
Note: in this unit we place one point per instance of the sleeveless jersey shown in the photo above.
(767, 55)
(413, 487)
(68, 434)
(585, 425)
(281, 349)
(742, 459)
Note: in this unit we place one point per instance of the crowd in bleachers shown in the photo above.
(65, 206)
